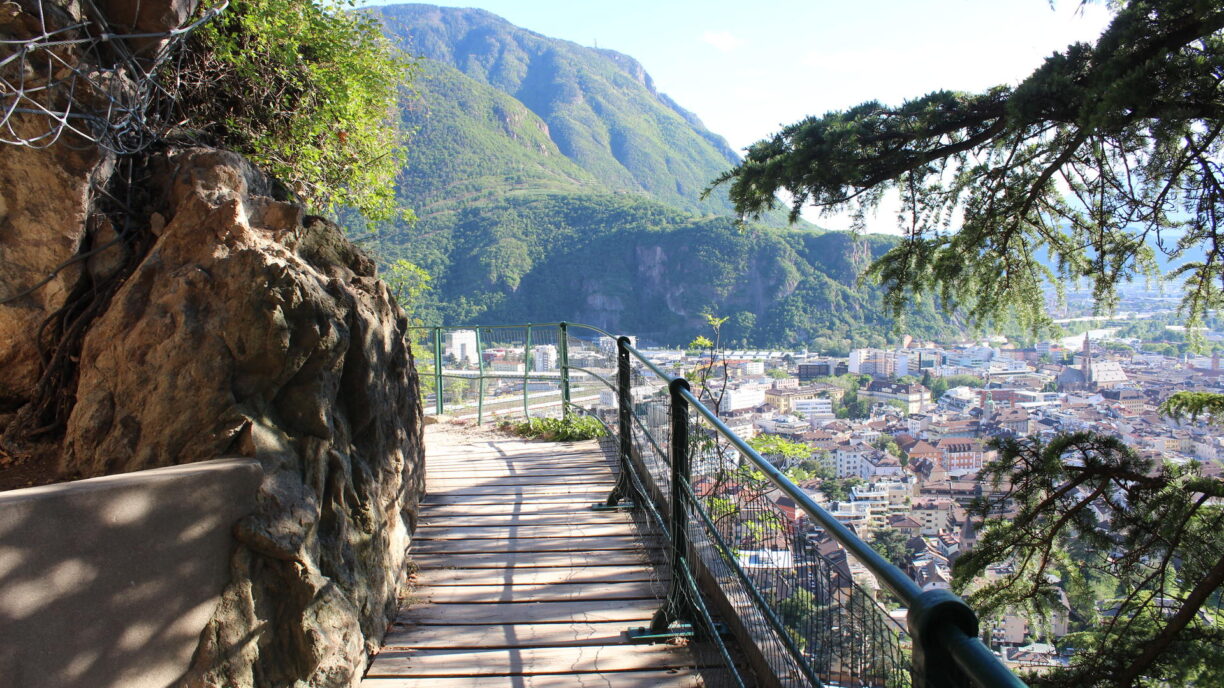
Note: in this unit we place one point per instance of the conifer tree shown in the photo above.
(1105, 155)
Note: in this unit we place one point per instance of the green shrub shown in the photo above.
(571, 428)
(308, 91)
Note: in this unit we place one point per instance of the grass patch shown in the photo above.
(571, 428)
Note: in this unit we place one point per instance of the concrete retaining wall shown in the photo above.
(109, 581)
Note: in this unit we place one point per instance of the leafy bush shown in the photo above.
(308, 91)
(571, 428)
(780, 449)
(408, 283)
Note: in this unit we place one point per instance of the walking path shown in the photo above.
(520, 583)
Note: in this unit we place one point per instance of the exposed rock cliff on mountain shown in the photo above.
(220, 321)
(632, 265)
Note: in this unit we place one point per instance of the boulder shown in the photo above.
(50, 177)
(249, 330)
(144, 17)
(45, 199)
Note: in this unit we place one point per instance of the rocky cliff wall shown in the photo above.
(230, 324)
(44, 204)
(251, 330)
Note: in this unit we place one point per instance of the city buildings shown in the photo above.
(544, 357)
(924, 491)
(912, 397)
(461, 346)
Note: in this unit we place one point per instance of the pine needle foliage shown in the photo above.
(1105, 151)
(1195, 405)
(308, 89)
(1134, 545)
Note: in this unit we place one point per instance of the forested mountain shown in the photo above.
(473, 143)
(553, 182)
(631, 264)
(598, 108)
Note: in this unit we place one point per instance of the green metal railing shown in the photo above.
(489, 372)
(750, 555)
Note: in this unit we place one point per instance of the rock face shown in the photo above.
(247, 332)
(43, 208)
(48, 186)
(45, 194)
(244, 328)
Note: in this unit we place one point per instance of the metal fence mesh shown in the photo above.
(652, 489)
(591, 358)
(807, 616)
(515, 372)
(63, 74)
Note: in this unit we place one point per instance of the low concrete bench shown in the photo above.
(109, 581)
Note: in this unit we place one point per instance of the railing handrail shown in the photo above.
(509, 327)
(937, 611)
(900, 584)
(976, 660)
(963, 644)
(667, 377)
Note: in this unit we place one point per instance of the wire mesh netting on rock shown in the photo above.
(78, 73)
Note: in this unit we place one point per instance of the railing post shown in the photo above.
(677, 606)
(480, 382)
(526, 371)
(681, 471)
(624, 401)
(933, 665)
(439, 406)
(624, 422)
(563, 355)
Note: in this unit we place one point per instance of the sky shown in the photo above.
(749, 67)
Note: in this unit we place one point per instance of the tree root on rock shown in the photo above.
(119, 203)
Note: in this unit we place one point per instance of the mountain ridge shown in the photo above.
(554, 182)
(601, 107)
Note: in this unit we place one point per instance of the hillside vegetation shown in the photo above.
(626, 263)
(554, 182)
(599, 108)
